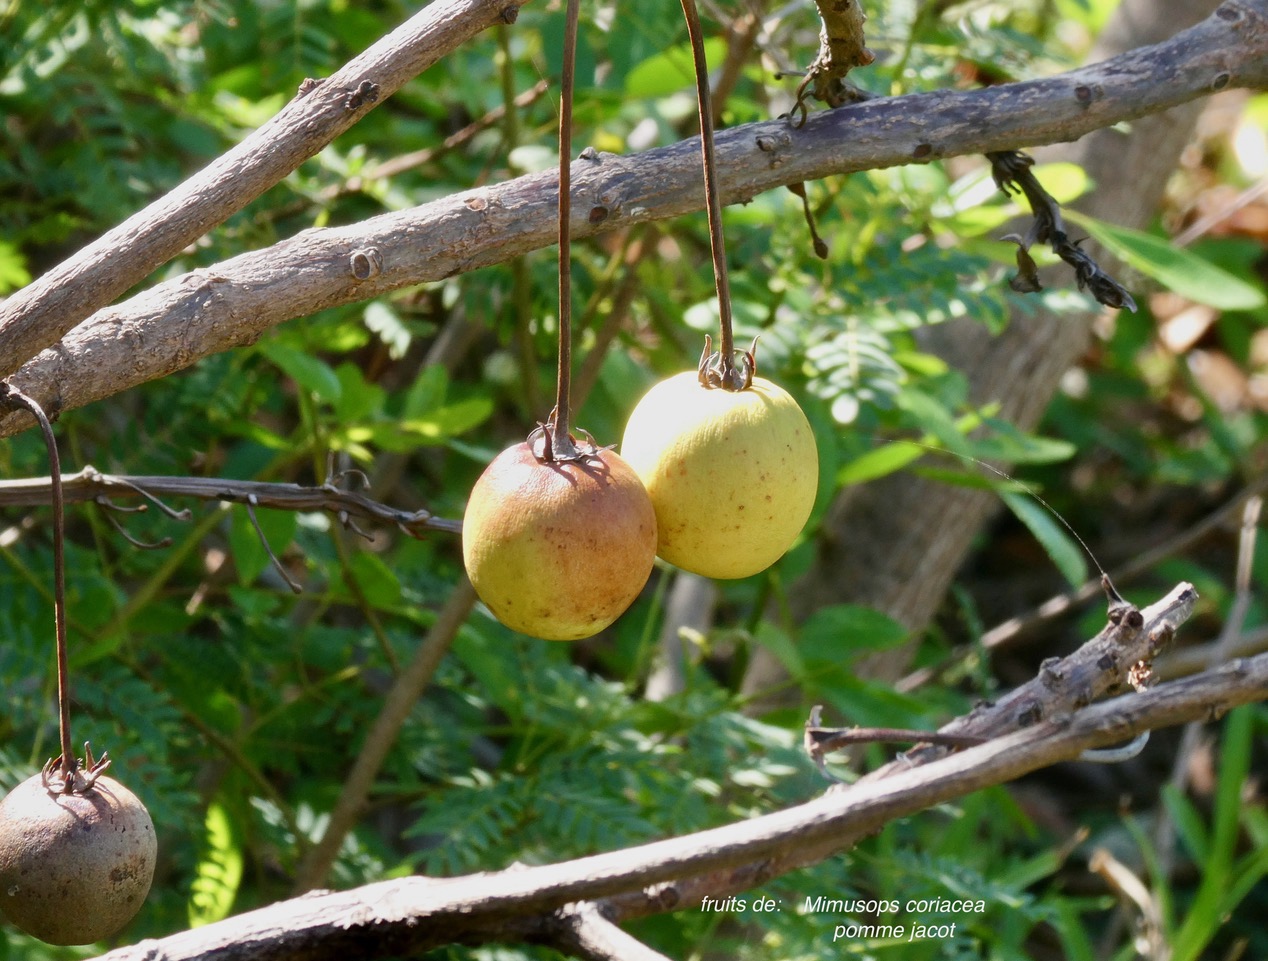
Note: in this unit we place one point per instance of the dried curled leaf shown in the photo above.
(1012, 174)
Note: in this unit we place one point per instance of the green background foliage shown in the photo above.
(235, 708)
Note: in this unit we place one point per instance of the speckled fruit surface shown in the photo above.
(558, 550)
(732, 474)
(74, 869)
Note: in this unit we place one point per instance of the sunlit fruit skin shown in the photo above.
(732, 474)
(74, 868)
(558, 550)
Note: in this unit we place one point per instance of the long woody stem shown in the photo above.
(713, 199)
(561, 441)
(15, 398)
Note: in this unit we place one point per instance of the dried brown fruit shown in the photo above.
(74, 867)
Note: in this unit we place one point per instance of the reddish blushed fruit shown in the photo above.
(74, 868)
(558, 550)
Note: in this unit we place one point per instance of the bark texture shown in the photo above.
(409, 915)
(170, 326)
(36, 316)
(897, 543)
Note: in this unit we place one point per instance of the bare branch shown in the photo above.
(841, 49)
(39, 314)
(169, 327)
(582, 930)
(1103, 665)
(91, 484)
(403, 916)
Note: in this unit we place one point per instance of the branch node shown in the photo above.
(367, 92)
(366, 263)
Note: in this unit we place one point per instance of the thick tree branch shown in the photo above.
(172, 325)
(396, 918)
(409, 915)
(39, 314)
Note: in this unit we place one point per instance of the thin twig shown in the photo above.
(1203, 225)
(418, 158)
(1130, 888)
(582, 931)
(90, 484)
(268, 549)
(1164, 832)
(1190, 660)
(728, 377)
(1015, 628)
(561, 444)
(640, 245)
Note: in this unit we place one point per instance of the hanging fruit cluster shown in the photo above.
(718, 474)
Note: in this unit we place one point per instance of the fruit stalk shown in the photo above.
(561, 445)
(728, 377)
(15, 398)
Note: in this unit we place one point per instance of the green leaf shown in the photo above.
(387, 323)
(1178, 269)
(13, 272)
(309, 372)
(974, 478)
(877, 463)
(837, 632)
(1017, 447)
(1067, 554)
(427, 392)
(377, 582)
(219, 870)
(777, 641)
(670, 70)
(451, 419)
(1188, 823)
(931, 415)
(358, 399)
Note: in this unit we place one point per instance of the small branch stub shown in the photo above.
(365, 263)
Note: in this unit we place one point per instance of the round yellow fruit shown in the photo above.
(558, 550)
(732, 474)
